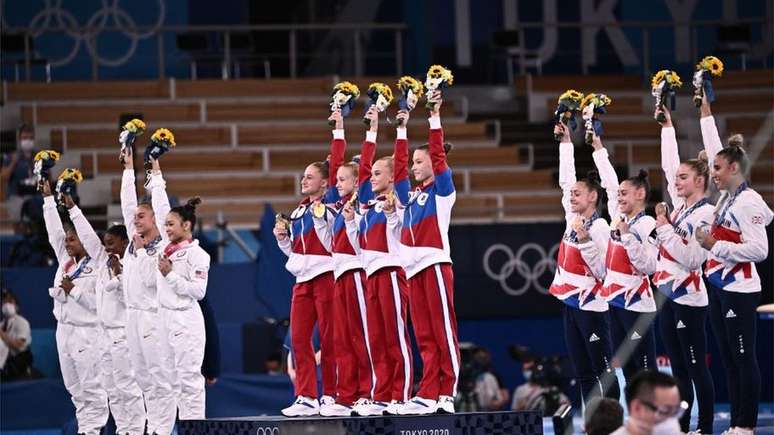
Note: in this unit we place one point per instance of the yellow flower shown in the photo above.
(407, 82)
(711, 64)
(47, 154)
(164, 135)
(599, 100)
(437, 71)
(71, 174)
(347, 88)
(670, 77)
(135, 126)
(381, 89)
(572, 95)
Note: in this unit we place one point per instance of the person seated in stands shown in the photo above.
(603, 417)
(488, 388)
(654, 405)
(15, 339)
(17, 172)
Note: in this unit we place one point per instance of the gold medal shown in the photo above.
(279, 218)
(353, 200)
(318, 210)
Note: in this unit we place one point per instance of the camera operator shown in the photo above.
(539, 391)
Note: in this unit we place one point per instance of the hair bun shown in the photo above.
(193, 202)
(702, 156)
(643, 174)
(736, 140)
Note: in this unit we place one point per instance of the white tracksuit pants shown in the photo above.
(183, 356)
(144, 339)
(80, 353)
(125, 396)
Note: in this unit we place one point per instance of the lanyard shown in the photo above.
(574, 236)
(149, 246)
(174, 247)
(719, 218)
(79, 270)
(685, 213)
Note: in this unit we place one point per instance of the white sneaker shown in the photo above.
(372, 408)
(394, 408)
(302, 407)
(335, 410)
(445, 405)
(418, 406)
(359, 404)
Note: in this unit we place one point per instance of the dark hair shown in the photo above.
(593, 183)
(10, 295)
(323, 167)
(187, 212)
(605, 418)
(26, 128)
(700, 165)
(643, 383)
(734, 152)
(447, 147)
(118, 231)
(640, 181)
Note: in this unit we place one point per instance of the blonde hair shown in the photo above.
(389, 160)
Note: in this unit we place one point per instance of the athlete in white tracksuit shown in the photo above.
(118, 378)
(181, 279)
(143, 323)
(79, 337)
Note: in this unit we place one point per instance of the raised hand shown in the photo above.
(68, 200)
(337, 119)
(127, 158)
(402, 117)
(372, 115)
(563, 131)
(667, 116)
(435, 98)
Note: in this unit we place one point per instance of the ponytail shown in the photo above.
(640, 181)
(187, 212)
(734, 153)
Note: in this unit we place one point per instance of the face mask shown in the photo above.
(9, 310)
(667, 427)
(527, 374)
(27, 145)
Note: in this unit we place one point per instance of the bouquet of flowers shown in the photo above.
(343, 98)
(379, 95)
(437, 78)
(569, 102)
(708, 68)
(592, 106)
(162, 141)
(66, 185)
(664, 84)
(44, 161)
(411, 90)
(130, 131)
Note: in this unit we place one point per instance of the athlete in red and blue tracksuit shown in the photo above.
(425, 252)
(355, 374)
(310, 261)
(387, 289)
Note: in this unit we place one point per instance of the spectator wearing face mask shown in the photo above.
(16, 173)
(654, 405)
(15, 339)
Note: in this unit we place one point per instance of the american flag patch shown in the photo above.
(200, 274)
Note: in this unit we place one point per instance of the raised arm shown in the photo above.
(89, 238)
(709, 132)
(128, 192)
(670, 158)
(56, 232)
(195, 284)
(566, 169)
(367, 153)
(338, 148)
(441, 170)
(401, 155)
(606, 174)
(159, 198)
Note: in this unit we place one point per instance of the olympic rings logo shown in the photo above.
(530, 274)
(267, 431)
(53, 16)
